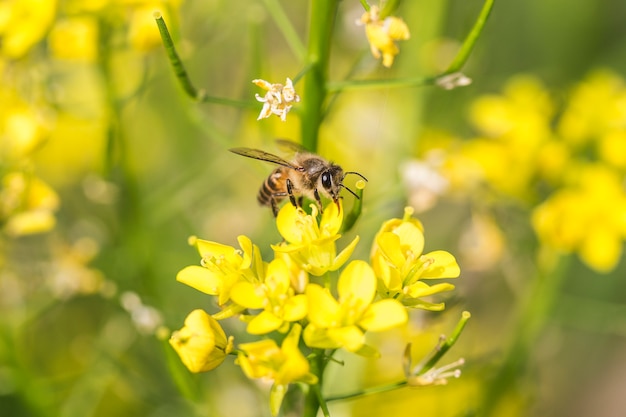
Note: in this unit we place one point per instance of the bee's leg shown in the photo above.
(318, 200)
(274, 206)
(292, 198)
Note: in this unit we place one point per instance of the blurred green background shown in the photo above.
(139, 167)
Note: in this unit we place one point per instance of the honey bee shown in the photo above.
(307, 175)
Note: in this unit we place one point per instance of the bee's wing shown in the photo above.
(290, 146)
(263, 156)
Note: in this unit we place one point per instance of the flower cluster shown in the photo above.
(567, 163)
(382, 34)
(27, 203)
(294, 294)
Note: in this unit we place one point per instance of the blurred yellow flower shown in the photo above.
(342, 323)
(275, 296)
(309, 243)
(596, 106)
(27, 204)
(382, 34)
(284, 365)
(143, 33)
(588, 217)
(24, 127)
(513, 127)
(400, 265)
(278, 99)
(75, 38)
(222, 267)
(201, 343)
(24, 23)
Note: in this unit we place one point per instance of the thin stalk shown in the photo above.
(175, 61)
(437, 355)
(369, 391)
(322, 20)
(447, 344)
(287, 29)
(470, 40)
(183, 77)
(314, 399)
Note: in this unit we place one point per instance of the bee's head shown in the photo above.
(331, 181)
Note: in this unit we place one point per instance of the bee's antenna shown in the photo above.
(355, 173)
(351, 192)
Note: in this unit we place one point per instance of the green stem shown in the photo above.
(321, 23)
(369, 391)
(470, 40)
(338, 86)
(287, 29)
(175, 61)
(314, 399)
(447, 344)
(183, 77)
(354, 214)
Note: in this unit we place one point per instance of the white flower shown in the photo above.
(278, 99)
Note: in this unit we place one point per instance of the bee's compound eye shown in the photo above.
(327, 181)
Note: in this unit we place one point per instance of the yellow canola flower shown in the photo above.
(513, 126)
(382, 34)
(283, 365)
(222, 267)
(143, 34)
(201, 343)
(27, 204)
(596, 106)
(24, 23)
(75, 38)
(275, 295)
(342, 323)
(311, 244)
(588, 218)
(400, 265)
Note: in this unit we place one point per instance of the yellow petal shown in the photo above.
(277, 394)
(601, 249)
(316, 337)
(287, 223)
(357, 280)
(295, 308)
(344, 255)
(30, 222)
(331, 219)
(349, 337)
(208, 249)
(323, 308)
(410, 236)
(444, 265)
(421, 289)
(383, 315)
(200, 278)
(248, 250)
(389, 246)
(264, 323)
(246, 294)
(201, 343)
(277, 276)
